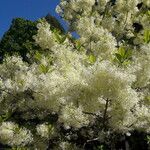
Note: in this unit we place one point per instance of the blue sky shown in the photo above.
(28, 9)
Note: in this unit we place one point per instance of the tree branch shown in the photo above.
(105, 113)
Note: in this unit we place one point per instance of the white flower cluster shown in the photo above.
(13, 135)
(73, 116)
(127, 6)
(73, 8)
(143, 74)
(44, 31)
(45, 130)
(99, 40)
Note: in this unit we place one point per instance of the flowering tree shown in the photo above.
(78, 91)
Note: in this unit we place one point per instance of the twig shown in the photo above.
(89, 113)
(105, 113)
(95, 139)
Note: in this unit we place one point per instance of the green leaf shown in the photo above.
(148, 12)
(147, 98)
(57, 37)
(123, 56)
(125, 63)
(147, 36)
(78, 44)
(51, 128)
(38, 56)
(92, 58)
(121, 51)
(148, 139)
(63, 38)
(119, 57)
(44, 69)
(128, 54)
(5, 116)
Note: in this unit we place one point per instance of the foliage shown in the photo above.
(18, 39)
(54, 23)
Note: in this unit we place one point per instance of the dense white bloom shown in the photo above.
(44, 31)
(73, 116)
(45, 130)
(146, 2)
(12, 135)
(102, 3)
(127, 6)
(85, 79)
(72, 8)
(99, 40)
(143, 74)
(142, 123)
(66, 146)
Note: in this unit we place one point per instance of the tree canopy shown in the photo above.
(19, 38)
